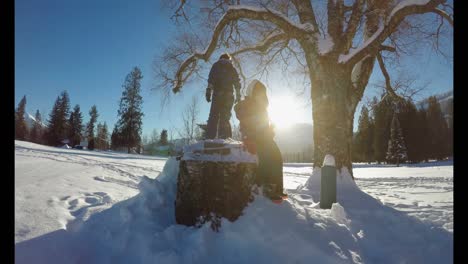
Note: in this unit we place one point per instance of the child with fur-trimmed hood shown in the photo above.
(257, 135)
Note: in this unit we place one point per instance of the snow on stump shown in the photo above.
(328, 183)
(215, 180)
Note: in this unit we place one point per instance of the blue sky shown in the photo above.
(88, 47)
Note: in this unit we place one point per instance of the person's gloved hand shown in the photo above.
(208, 94)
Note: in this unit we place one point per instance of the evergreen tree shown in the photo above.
(449, 118)
(99, 141)
(58, 127)
(75, 124)
(116, 141)
(163, 138)
(154, 139)
(423, 139)
(53, 124)
(36, 131)
(356, 153)
(383, 112)
(130, 112)
(408, 118)
(21, 130)
(91, 144)
(371, 149)
(363, 136)
(105, 136)
(438, 130)
(396, 152)
(65, 106)
(93, 115)
(102, 136)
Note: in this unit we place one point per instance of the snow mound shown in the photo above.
(237, 152)
(329, 160)
(142, 229)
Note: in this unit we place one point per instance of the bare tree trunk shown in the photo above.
(333, 114)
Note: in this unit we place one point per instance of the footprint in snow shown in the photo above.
(79, 205)
(82, 207)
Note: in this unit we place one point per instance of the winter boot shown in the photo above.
(269, 191)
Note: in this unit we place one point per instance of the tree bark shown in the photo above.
(333, 113)
(208, 190)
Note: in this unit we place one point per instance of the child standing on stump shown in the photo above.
(257, 135)
(223, 81)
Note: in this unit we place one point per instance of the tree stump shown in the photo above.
(215, 180)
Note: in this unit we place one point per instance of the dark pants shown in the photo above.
(220, 113)
(270, 163)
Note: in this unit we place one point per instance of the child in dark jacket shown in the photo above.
(257, 135)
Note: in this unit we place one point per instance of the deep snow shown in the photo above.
(78, 206)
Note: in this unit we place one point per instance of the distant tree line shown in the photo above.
(396, 132)
(62, 127)
(67, 127)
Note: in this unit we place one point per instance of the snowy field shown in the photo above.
(424, 191)
(79, 206)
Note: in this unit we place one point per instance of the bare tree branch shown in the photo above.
(388, 85)
(241, 72)
(443, 14)
(233, 14)
(306, 12)
(405, 84)
(180, 11)
(264, 44)
(357, 10)
(387, 48)
(372, 45)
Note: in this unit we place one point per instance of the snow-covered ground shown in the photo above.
(56, 186)
(421, 190)
(79, 206)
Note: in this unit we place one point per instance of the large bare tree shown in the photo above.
(335, 43)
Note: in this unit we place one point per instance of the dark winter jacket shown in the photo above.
(253, 119)
(223, 76)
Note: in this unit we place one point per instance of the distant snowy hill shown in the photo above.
(445, 100)
(294, 138)
(30, 120)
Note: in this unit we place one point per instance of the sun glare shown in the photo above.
(285, 111)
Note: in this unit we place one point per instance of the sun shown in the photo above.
(285, 111)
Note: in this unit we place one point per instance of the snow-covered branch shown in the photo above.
(235, 13)
(335, 10)
(404, 9)
(443, 14)
(306, 12)
(353, 23)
